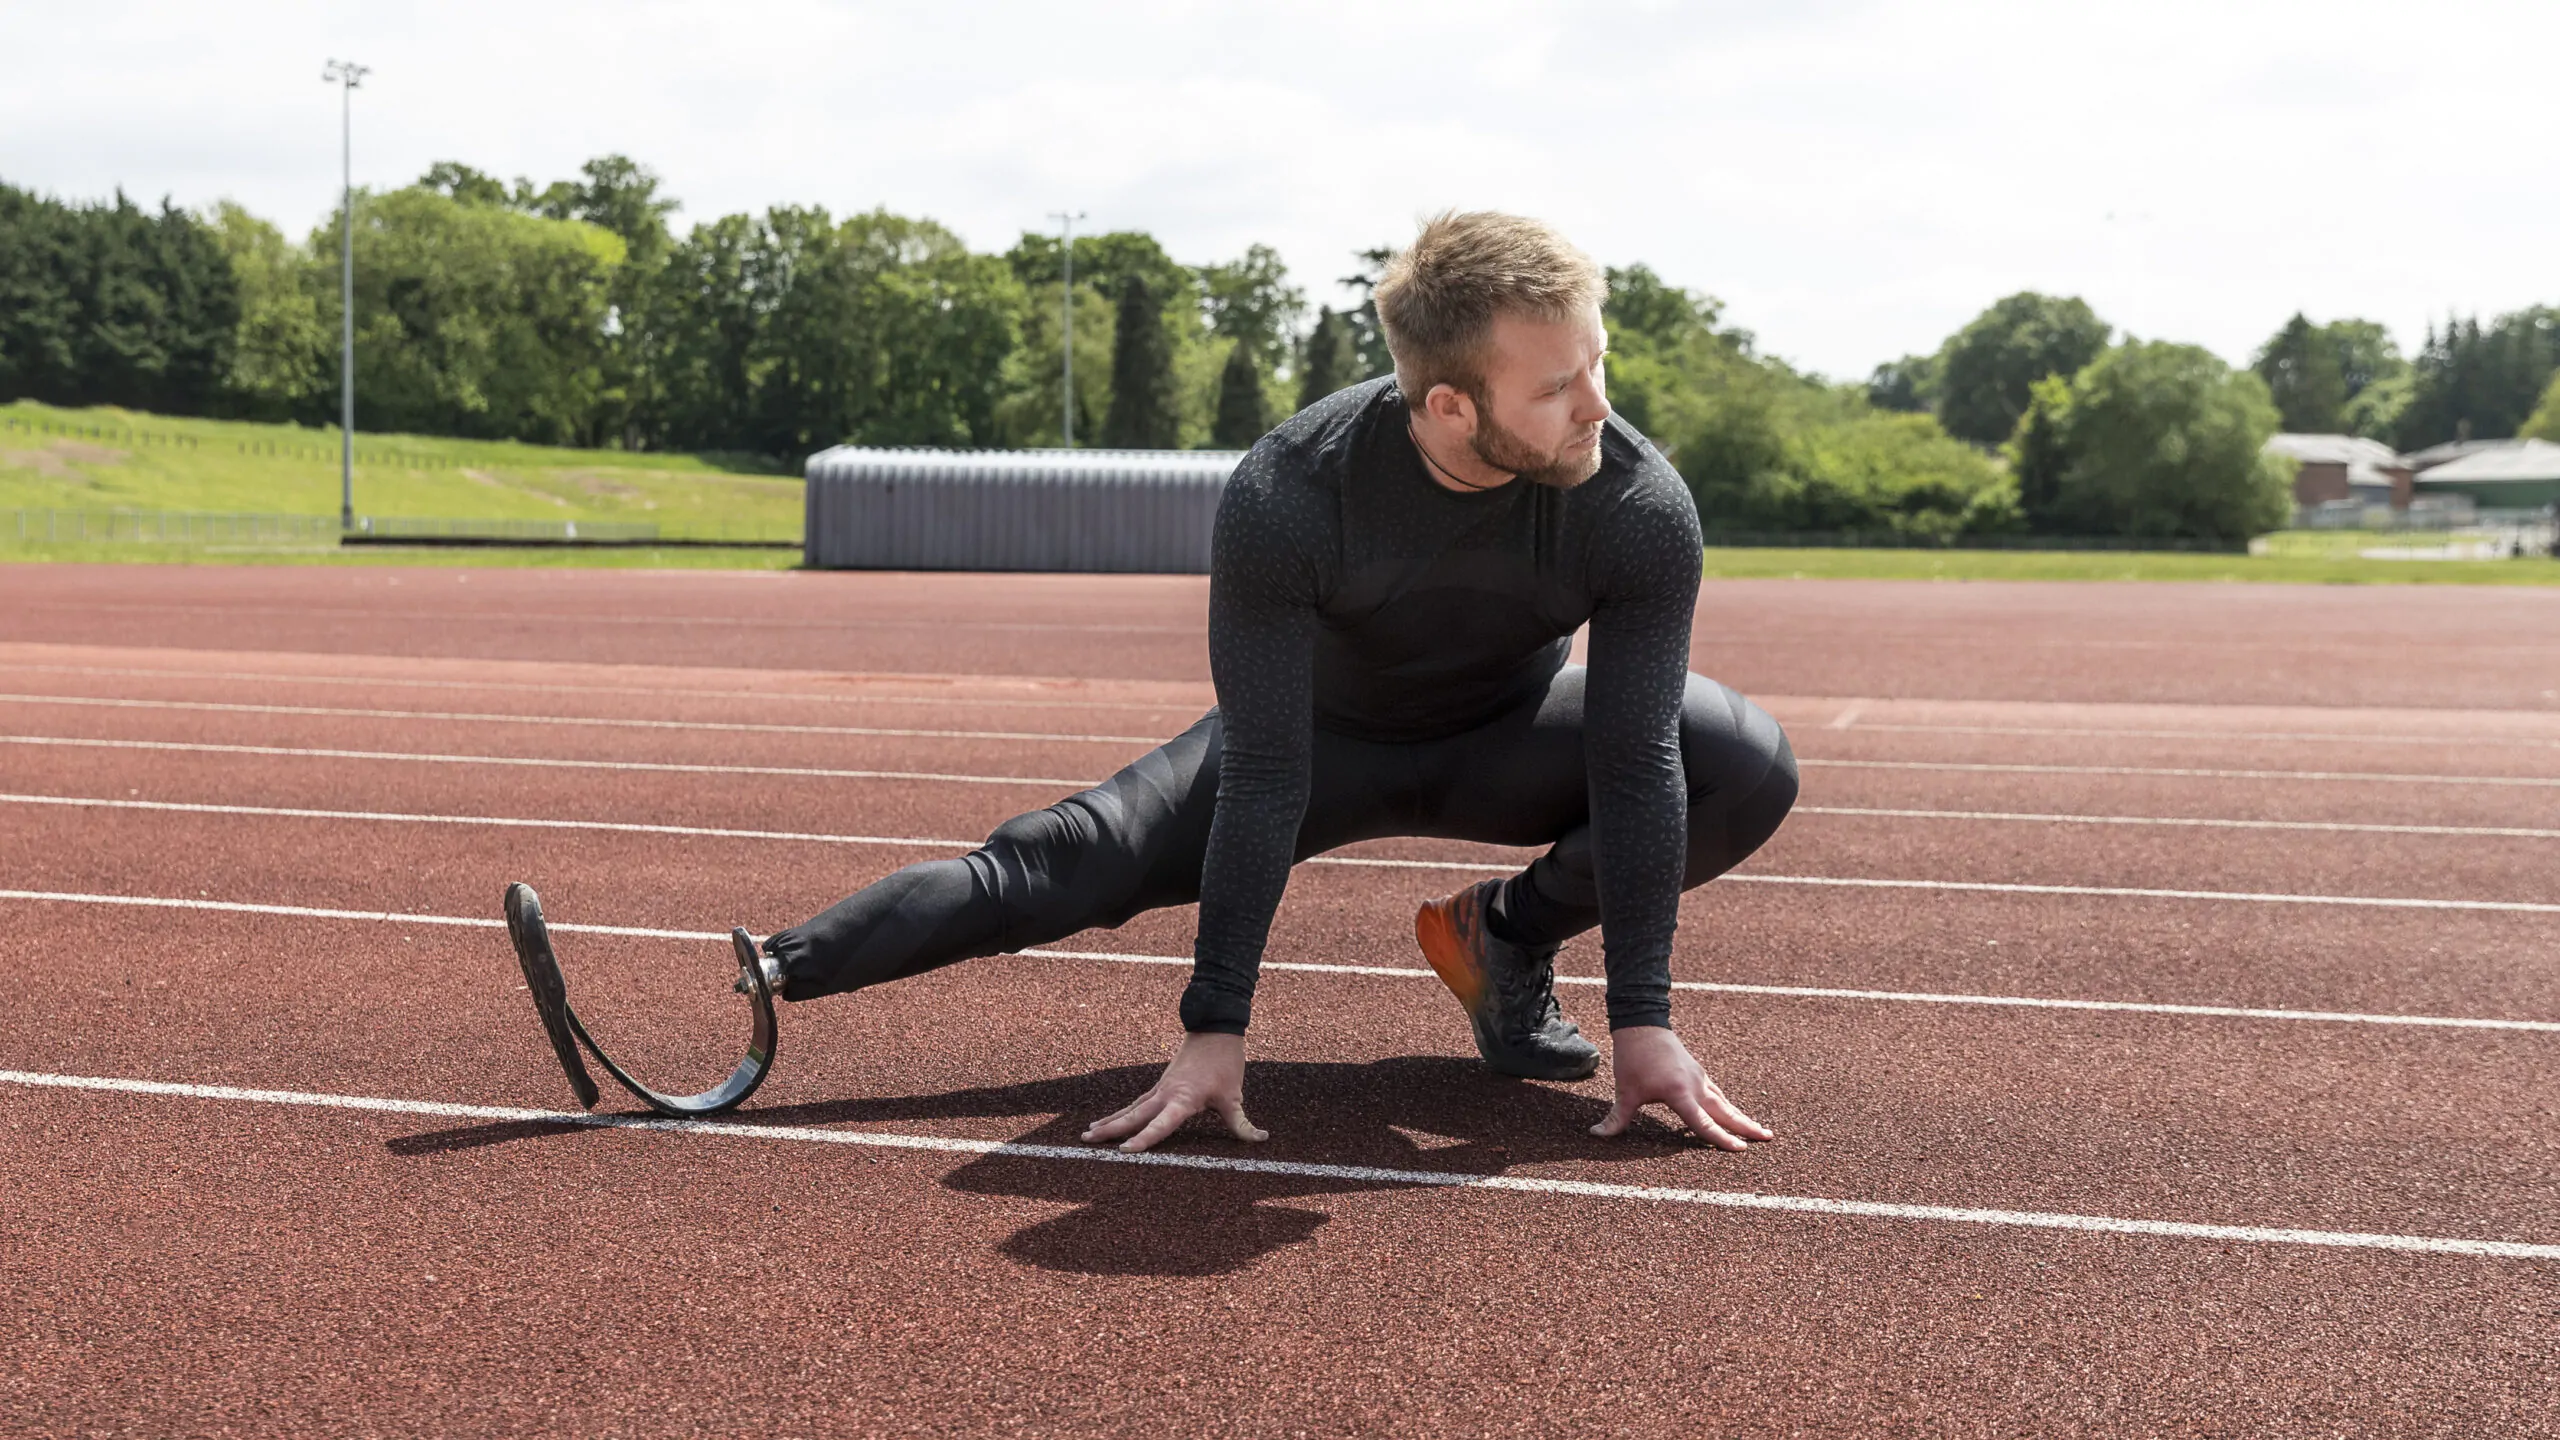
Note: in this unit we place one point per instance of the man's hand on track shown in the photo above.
(1207, 1073)
(1653, 1067)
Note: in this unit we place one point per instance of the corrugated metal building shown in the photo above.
(2519, 476)
(1114, 510)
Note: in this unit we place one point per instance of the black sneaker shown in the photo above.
(1508, 991)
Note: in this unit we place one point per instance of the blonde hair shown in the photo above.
(1439, 296)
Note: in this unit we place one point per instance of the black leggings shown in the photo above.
(1134, 843)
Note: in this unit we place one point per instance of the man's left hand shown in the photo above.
(1654, 1068)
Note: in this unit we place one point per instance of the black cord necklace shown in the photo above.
(1429, 459)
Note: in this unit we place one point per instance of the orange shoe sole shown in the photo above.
(1435, 929)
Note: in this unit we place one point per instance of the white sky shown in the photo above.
(1854, 179)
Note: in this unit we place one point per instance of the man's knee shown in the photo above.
(1741, 770)
(1729, 746)
(1060, 866)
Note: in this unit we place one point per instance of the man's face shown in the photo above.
(1539, 412)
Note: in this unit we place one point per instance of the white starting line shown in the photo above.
(2546, 782)
(1812, 992)
(1348, 1174)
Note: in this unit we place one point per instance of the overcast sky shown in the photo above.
(1854, 180)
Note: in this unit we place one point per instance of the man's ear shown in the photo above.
(1451, 406)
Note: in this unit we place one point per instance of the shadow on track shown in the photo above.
(1409, 1113)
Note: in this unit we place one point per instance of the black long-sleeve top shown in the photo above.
(1348, 591)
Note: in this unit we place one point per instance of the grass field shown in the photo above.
(1840, 564)
(108, 459)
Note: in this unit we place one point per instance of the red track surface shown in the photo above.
(185, 1264)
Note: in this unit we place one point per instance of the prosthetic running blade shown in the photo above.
(560, 1021)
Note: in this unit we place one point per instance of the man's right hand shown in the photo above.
(1207, 1073)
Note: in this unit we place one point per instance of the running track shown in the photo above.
(2157, 999)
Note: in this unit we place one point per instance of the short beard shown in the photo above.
(1503, 450)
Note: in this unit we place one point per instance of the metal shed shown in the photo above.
(1119, 510)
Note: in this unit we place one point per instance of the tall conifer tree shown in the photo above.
(1243, 415)
(1142, 414)
(1331, 362)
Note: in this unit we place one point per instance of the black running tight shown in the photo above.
(1135, 842)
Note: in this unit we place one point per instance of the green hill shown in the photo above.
(108, 460)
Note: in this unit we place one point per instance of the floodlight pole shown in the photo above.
(1067, 324)
(346, 75)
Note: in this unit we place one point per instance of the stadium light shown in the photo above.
(1067, 325)
(346, 75)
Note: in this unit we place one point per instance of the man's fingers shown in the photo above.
(1168, 1120)
(1232, 1111)
(1694, 1115)
(1619, 1117)
(1729, 1115)
(1124, 1120)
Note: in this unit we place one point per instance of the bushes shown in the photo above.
(1759, 458)
(1766, 449)
(2153, 440)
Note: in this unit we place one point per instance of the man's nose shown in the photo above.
(1590, 401)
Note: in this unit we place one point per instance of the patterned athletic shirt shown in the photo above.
(1348, 591)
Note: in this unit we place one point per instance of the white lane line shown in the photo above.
(751, 696)
(2367, 776)
(2503, 832)
(601, 722)
(2105, 732)
(934, 842)
(1898, 997)
(1848, 719)
(2538, 781)
(497, 821)
(1297, 1169)
(1998, 887)
(1124, 957)
(674, 622)
(318, 912)
(537, 762)
(1995, 887)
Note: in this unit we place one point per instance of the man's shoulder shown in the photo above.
(1318, 442)
(1302, 461)
(1634, 475)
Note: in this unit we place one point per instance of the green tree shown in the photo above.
(1142, 414)
(1243, 414)
(281, 355)
(110, 304)
(1653, 327)
(1908, 385)
(2544, 422)
(1994, 362)
(457, 181)
(699, 330)
(1327, 360)
(880, 330)
(2345, 376)
(2476, 383)
(2153, 440)
(2304, 373)
(1251, 301)
(1368, 339)
(473, 320)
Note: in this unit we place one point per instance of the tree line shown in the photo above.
(573, 313)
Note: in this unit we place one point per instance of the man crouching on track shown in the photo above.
(1397, 574)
